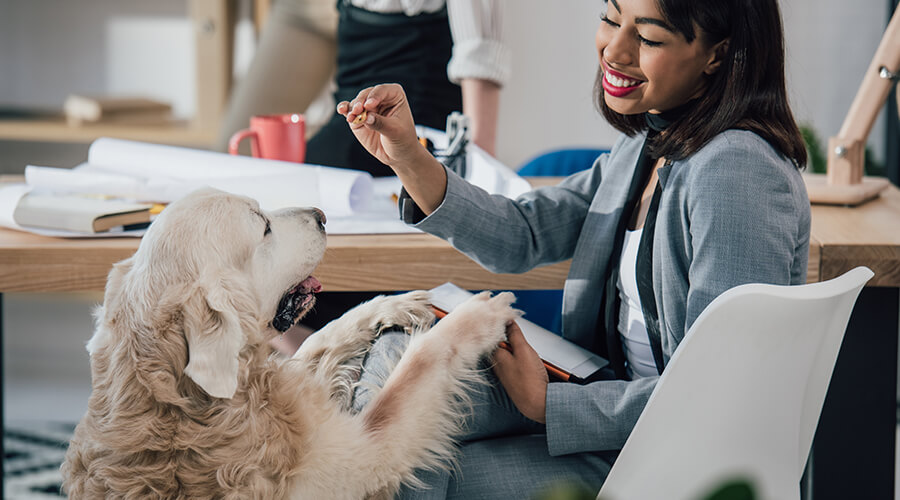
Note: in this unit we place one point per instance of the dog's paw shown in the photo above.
(408, 311)
(481, 321)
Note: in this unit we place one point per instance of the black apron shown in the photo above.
(376, 48)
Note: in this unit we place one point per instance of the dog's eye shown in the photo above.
(268, 228)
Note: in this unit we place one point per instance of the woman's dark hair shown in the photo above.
(746, 92)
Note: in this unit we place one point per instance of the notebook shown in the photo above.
(564, 360)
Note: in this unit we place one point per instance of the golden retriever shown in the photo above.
(189, 400)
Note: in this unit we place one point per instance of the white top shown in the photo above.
(632, 329)
(476, 25)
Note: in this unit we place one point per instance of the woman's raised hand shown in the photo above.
(382, 122)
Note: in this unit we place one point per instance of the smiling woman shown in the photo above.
(657, 54)
(701, 193)
(647, 64)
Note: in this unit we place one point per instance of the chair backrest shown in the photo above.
(741, 396)
(560, 162)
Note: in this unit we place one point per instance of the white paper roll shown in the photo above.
(274, 184)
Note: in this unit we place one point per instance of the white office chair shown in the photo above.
(741, 397)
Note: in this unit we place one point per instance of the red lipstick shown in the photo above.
(615, 90)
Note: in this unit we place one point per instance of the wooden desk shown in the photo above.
(869, 235)
(31, 263)
(841, 239)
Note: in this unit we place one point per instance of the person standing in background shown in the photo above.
(447, 54)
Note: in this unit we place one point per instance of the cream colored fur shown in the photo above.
(189, 402)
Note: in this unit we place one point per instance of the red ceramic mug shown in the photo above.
(275, 137)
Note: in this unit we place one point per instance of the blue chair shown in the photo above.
(544, 306)
(560, 162)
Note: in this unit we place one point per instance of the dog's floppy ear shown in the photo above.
(212, 327)
(111, 302)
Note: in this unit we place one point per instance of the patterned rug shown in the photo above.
(32, 453)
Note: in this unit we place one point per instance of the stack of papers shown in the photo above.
(144, 173)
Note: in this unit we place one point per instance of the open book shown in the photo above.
(79, 213)
(564, 360)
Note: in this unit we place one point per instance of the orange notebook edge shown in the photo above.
(553, 370)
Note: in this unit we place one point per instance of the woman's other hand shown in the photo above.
(523, 375)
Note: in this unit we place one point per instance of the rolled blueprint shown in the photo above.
(169, 171)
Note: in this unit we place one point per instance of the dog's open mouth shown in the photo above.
(295, 303)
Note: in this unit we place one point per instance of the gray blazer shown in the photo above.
(734, 212)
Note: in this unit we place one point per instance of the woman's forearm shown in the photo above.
(424, 178)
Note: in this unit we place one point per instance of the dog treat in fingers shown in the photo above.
(360, 118)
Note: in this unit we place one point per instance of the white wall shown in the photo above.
(549, 101)
(49, 48)
(830, 44)
(55, 47)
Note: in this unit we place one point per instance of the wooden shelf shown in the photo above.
(213, 32)
(178, 133)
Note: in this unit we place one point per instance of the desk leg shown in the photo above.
(2, 379)
(853, 451)
(2, 371)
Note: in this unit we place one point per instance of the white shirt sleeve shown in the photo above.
(408, 7)
(478, 49)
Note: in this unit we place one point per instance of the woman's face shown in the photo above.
(647, 65)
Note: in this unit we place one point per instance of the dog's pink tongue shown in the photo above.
(311, 285)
